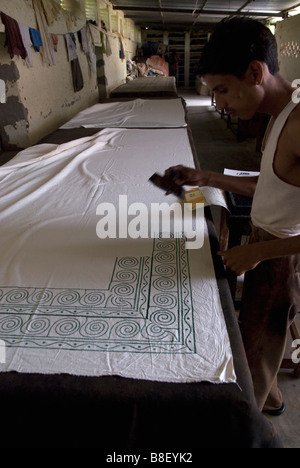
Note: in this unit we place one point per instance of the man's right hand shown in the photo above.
(182, 175)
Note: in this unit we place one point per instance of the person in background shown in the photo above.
(240, 66)
(173, 60)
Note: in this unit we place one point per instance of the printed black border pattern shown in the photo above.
(147, 308)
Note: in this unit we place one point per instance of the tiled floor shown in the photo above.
(217, 148)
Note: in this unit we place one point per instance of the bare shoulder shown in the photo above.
(293, 131)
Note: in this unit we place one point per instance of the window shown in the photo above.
(72, 6)
(75, 7)
(91, 10)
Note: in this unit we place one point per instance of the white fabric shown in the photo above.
(139, 113)
(72, 303)
(48, 48)
(275, 203)
(84, 40)
(24, 30)
(71, 47)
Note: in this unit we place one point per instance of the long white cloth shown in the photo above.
(139, 113)
(73, 303)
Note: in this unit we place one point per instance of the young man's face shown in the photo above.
(238, 97)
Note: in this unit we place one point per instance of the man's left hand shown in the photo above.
(241, 259)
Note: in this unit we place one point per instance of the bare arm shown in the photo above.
(245, 258)
(186, 176)
(241, 185)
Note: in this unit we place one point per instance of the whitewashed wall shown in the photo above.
(288, 39)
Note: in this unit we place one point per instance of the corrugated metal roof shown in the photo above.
(179, 13)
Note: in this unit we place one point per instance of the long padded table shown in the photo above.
(147, 87)
(112, 412)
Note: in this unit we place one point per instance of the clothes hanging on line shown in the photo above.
(48, 47)
(55, 41)
(76, 75)
(24, 30)
(83, 39)
(14, 40)
(71, 46)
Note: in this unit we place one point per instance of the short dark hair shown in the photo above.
(235, 43)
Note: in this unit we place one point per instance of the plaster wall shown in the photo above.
(288, 39)
(115, 68)
(40, 99)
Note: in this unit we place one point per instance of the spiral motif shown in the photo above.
(122, 290)
(164, 257)
(126, 329)
(163, 318)
(164, 300)
(10, 324)
(154, 331)
(125, 275)
(67, 326)
(128, 262)
(164, 284)
(38, 325)
(41, 297)
(119, 302)
(165, 245)
(92, 298)
(16, 296)
(96, 328)
(165, 270)
(68, 297)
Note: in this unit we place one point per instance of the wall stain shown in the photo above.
(71, 103)
(9, 72)
(12, 112)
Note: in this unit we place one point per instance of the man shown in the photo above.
(240, 66)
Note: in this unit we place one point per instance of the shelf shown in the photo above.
(180, 40)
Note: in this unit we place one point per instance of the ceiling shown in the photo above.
(188, 14)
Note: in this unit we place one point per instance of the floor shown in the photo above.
(217, 148)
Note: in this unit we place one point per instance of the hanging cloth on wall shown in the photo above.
(73, 59)
(76, 75)
(88, 47)
(24, 30)
(103, 42)
(52, 11)
(36, 39)
(55, 41)
(83, 39)
(71, 46)
(108, 47)
(14, 40)
(122, 53)
(48, 47)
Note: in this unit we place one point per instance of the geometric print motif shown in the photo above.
(147, 308)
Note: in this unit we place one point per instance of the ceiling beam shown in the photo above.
(185, 11)
(162, 15)
(291, 8)
(245, 5)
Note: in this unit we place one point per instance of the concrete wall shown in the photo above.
(114, 67)
(40, 99)
(288, 39)
(117, 26)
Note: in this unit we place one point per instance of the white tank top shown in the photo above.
(276, 203)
